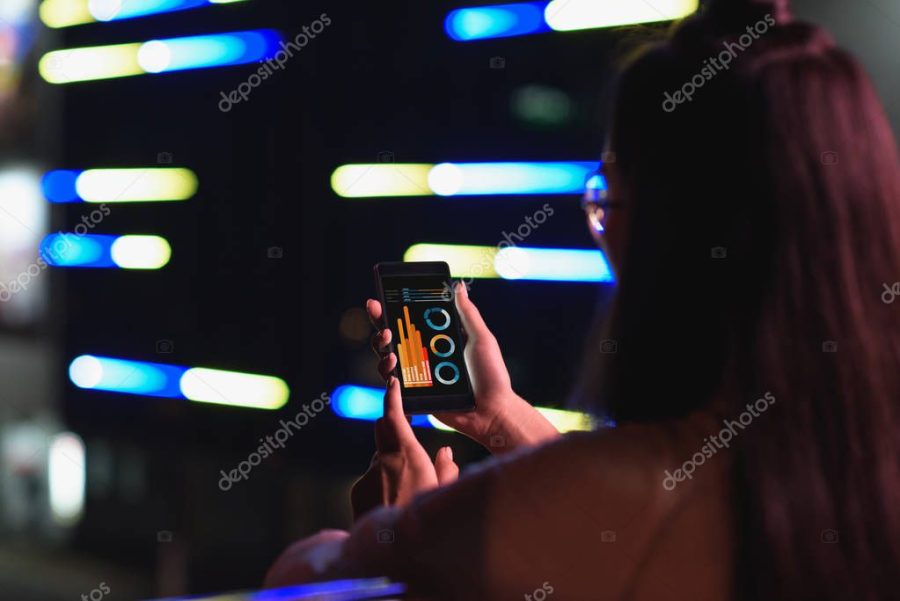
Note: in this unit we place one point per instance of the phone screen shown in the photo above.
(426, 335)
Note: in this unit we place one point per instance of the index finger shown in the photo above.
(393, 432)
(472, 322)
(373, 308)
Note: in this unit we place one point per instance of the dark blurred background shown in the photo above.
(270, 268)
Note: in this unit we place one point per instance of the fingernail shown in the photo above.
(449, 452)
(368, 302)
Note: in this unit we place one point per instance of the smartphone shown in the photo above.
(418, 306)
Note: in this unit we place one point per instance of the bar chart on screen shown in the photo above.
(414, 364)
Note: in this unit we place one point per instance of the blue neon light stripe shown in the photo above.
(496, 21)
(337, 589)
(132, 9)
(141, 8)
(564, 265)
(205, 51)
(73, 250)
(365, 403)
(129, 377)
(59, 186)
(485, 179)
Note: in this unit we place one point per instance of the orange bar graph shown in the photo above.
(414, 365)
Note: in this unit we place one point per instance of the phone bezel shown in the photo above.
(436, 403)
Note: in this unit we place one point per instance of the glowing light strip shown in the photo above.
(487, 179)
(505, 20)
(365, 403)
(196, 384)
(92, 63)
(516, 263)
(120, 185)
(66, 477)
(571, 15)
(158, 56)
(66, 13)
(219, 387)
(128, 377)
(461, 179)
(361, 402)
(498, 21)
(100, 251)
(465, 261)
(371, 588)
(381, 179)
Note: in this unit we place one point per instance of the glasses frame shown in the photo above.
(596, 201)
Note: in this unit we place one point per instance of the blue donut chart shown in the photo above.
(431, 324)
(448, 365)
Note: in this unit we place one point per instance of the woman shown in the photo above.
(753, 217)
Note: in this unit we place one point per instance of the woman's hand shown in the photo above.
(502, 420)
(401, 468)
(306, 560)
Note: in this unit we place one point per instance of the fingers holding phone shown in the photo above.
(381, 341)
(432, 336)
(382, 337)
(420, 337)
(401, 467)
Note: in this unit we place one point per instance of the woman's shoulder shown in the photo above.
(635, 454)
(602, 505)
(588, 508)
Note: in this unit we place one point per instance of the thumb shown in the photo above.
(446, 469)
(393, 432)
(469, 314)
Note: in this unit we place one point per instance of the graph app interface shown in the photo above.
(423, 321)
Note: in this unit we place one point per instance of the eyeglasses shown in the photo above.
(596, 202)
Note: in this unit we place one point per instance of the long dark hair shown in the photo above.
(763, 223)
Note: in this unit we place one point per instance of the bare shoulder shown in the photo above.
(585, 508)
(594, 506)
(634, 459)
